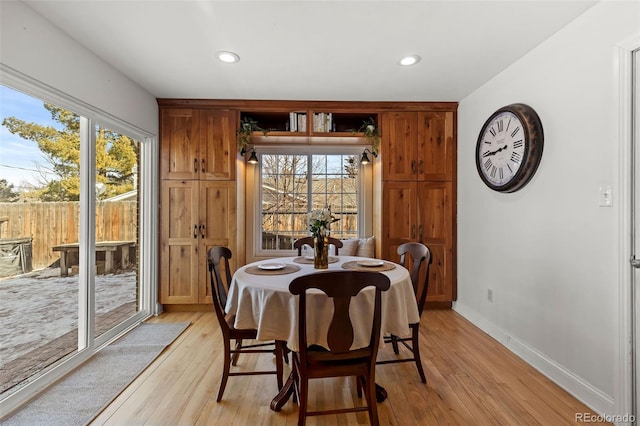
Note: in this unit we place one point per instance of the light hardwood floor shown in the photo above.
(471, 380)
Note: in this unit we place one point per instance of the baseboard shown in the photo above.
(188, 308)
(592, 397)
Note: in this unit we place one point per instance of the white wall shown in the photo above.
(548, 251)
(32, 46)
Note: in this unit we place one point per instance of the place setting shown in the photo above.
(369, 265)
(273, 268)
(308, 260)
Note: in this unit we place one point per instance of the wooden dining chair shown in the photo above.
(313, 361)
(420, 256)
(219, 288)
(309, 241)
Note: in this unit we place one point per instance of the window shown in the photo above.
(291, 182)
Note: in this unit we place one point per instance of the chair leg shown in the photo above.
(236, 355)
(394, 343)
(372, 404)
(416, 352)
(225, 370)
(359, 385)
(279, 367)
(302, 404)
(285, 352)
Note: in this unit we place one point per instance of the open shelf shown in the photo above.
(309, 123)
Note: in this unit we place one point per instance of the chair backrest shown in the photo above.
(219, 287)
(420, 255)
(340, 286)
(309, 241)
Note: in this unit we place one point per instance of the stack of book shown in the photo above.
(322, 122)
(297, 122)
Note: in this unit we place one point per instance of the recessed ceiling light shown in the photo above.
(228, 57)
(410, 60)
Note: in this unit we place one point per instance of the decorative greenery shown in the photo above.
(319, 221)
(372, 133)
(247, 125)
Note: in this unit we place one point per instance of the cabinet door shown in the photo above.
(399, 145)
(179, 242)
(399, 221)
(179, 142)
(435, 230)
(217, 227)
(436, 148)
(217, 144)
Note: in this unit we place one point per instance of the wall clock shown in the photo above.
(509, 148)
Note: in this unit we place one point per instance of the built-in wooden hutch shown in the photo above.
(201, 185)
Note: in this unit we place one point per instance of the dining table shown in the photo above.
(259, 298)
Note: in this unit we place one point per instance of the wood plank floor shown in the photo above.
(471, 380)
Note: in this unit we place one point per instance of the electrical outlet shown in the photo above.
(490, 295)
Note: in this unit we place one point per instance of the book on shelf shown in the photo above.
(322, 122)
(297, 122)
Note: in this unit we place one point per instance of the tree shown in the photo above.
(116, 156)
(7, 192)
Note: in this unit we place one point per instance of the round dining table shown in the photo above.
(259, 298)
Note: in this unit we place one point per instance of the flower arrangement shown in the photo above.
(319, 221)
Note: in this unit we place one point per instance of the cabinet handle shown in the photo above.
(202, 231)
(413, 232)
(195, 165)
(421, 167)
(195, 232)
(420, 232)
(203, 165)
(413, 167)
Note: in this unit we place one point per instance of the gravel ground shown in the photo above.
(40, 306)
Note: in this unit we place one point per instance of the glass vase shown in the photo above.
(320, 252)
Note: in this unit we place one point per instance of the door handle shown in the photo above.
(413, 167)
(413, 232)
(195, 165)
(202, 231)
(195, 232)
(203, 165)
(420, 232)
(635, 262)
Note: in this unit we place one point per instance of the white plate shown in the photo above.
(370, 262)
(271, 266)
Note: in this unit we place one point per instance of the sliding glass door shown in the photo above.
(70, 238)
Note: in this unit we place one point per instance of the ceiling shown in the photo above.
(310, 50)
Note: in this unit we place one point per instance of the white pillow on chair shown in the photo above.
(350, 247)
(366, 247)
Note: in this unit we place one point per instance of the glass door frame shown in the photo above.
(88, 345)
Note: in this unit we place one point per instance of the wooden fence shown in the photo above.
(50, 224)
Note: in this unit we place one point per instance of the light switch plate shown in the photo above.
(606, 197)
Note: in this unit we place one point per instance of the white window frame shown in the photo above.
(148, 220)
(254, 195)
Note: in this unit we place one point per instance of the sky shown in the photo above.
(18, 157)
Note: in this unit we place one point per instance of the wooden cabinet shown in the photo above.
(195, 216)
(198, 144)
(415, 185)
(197, 198)
(418, 146)
(418, 191)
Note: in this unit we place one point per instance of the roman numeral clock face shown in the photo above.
(509, 148)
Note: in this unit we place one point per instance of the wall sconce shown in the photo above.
(365, 158)
(253, 158)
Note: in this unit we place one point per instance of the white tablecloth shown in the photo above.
(263, 302)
